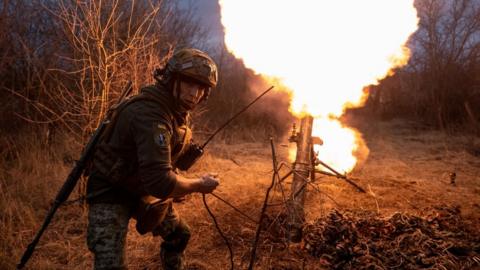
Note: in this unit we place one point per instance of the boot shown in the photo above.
(172, 260)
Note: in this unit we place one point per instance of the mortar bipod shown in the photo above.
(316, 161)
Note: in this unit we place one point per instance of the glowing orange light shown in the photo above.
(325, 52)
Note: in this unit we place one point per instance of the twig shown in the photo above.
(234, 208)
(264, 206)
(375, 197)
(225, 239)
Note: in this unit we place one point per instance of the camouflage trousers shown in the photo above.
(107, 233)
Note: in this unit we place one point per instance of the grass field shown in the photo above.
(407, 170)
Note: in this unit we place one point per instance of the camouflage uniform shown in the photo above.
(107, 232)
(136, 160)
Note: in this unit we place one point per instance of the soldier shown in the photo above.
(134, 171)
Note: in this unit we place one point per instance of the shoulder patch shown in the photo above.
(162, 136)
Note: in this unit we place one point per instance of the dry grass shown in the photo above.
(30, 177)
(407, 171)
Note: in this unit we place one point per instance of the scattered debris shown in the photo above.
(439, 240)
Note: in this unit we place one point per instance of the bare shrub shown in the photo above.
(94, 49)
(26, 52)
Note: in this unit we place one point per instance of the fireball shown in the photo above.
(325, 52)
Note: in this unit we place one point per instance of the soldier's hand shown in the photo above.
(208, 183)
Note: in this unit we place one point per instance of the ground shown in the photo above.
(407, 170)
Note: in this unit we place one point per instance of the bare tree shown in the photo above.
(447, 53)
(441, 83)
(75, 56)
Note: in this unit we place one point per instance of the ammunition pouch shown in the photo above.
(150, 213)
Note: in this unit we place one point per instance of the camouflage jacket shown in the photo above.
(137, 159)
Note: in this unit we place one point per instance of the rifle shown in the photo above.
(74, 176)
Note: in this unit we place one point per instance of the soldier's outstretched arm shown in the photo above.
(183, 186)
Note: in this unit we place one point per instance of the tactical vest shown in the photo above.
(121, 172)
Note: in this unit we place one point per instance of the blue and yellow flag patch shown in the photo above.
(162, 136)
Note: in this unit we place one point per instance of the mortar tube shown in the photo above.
(302, 168)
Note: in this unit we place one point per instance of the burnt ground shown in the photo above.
(410, 204)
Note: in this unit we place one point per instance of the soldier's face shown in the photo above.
(190, 93)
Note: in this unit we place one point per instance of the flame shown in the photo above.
(325, 52)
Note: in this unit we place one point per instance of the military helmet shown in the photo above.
(193, 64)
